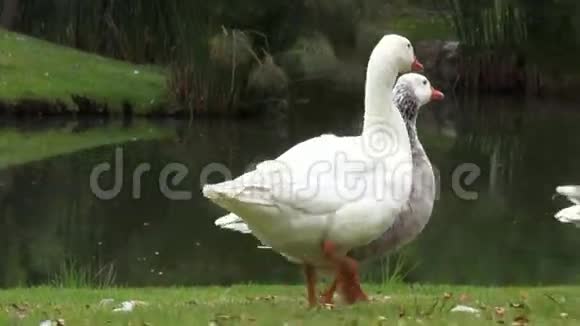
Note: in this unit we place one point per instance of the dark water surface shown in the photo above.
(49, 215)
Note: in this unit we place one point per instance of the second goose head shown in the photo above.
(411, 92)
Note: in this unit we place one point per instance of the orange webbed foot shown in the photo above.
(347, 276)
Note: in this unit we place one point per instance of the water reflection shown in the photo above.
(507, 236)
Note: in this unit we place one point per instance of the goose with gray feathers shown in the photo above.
(411, 92)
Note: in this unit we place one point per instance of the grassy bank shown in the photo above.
(44, 73)
(283, 305)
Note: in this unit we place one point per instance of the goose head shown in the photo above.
(411, 92)
(398, 49)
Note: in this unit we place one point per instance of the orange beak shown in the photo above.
(436, 95)
(416, 65)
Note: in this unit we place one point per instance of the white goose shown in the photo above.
(570, 214)
(329, 194)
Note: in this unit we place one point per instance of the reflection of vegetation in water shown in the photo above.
(500, 237)
(497, 137)
(20, 146)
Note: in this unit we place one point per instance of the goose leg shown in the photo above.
(347, 276)
(310, 274)
(328, 295)
(351, 288)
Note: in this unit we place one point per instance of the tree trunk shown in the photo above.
(9, 15)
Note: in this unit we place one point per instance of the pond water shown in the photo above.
(49, 215)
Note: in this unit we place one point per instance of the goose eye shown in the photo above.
(408, 45)
(425, 82)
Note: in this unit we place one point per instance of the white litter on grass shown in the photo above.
(128, 306)
(461, 308)
(136, 72)
(58, 322)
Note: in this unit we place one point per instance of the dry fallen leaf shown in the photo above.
(499, 311)
(20, 307)
(447, 295)
(22, 310)
(521, 321)
(463, 298)
(402, 312)
(262, 298)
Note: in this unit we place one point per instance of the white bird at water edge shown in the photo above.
(572, 213)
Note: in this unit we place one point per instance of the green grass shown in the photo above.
(77, 276)
(285, 305)
(20, 147)
(35, 69)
